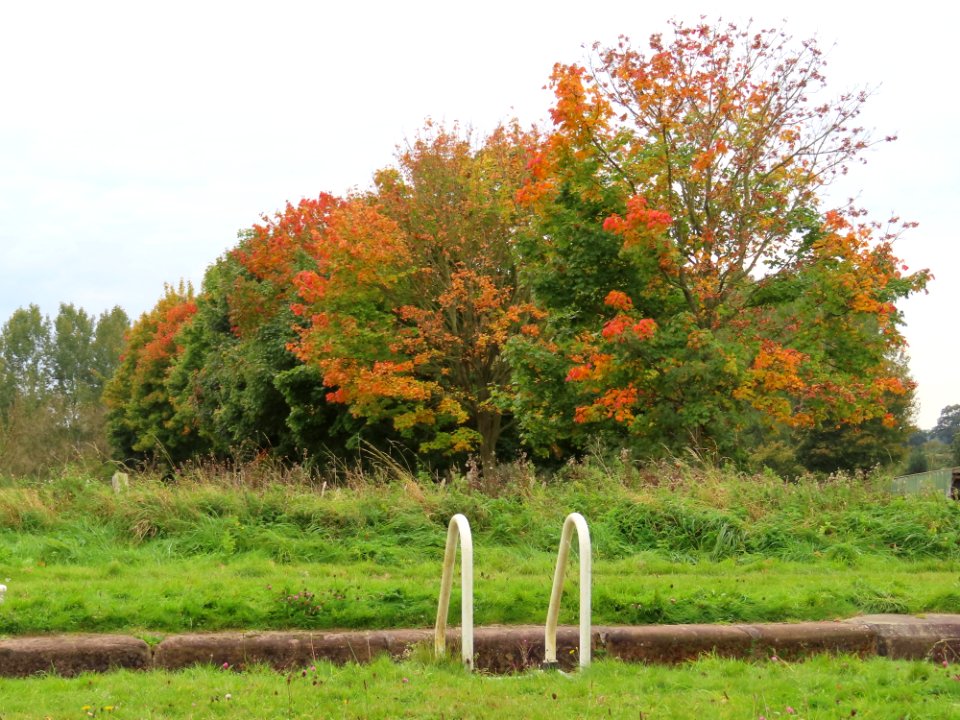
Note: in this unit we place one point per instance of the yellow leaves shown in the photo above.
(773, 380)
(451, 407)
(419, 416)
(789, 135)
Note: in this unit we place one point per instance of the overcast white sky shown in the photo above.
(137, 138)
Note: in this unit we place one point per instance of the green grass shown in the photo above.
(822, 687)
(671, 545)
(146, 594)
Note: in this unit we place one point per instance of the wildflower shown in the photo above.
(228, 696)
(225, 666)
(790, 710)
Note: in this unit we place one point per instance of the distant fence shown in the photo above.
(944, 480)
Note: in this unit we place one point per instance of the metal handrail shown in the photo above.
(459, 527)
(573, 520)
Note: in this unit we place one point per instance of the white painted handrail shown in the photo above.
(459, 527)
(573, 520)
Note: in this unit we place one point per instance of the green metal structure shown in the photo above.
(944, 480)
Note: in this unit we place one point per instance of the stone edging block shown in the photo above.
(498, 649)
(901, 637)
(70, 655)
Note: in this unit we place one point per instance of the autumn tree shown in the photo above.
(697, 288)
(261, 305)
(142, 419)
(416, 292)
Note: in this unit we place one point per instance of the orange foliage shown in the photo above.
(416, 294)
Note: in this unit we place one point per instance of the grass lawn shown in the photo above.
(695, 546)
(144, 594)
(822, 687)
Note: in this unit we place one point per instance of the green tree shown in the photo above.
(948, 425)
(236, 381)
(25, 354)
(108, 338)
(71, 355)
(52, 376)
(917, 462)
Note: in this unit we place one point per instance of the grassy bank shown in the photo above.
(823, 687)
(144, 594)
(671, 544)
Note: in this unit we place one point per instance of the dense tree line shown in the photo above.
(655, 270)
(52, 376)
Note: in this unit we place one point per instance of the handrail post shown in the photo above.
(459, 527)
(572, 521)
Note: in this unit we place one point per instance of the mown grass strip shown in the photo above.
(822, 687)
(143, 594)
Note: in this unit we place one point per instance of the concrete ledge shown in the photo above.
(931, 636)
(72, 654)
(794, 641)
(509, 649)
(498, 649)
(673, 643)
(282, 650)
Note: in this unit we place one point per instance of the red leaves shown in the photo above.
(615, 328)
(172, 316)
(621, 327)
(644, 329)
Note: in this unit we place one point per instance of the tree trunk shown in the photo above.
(489, 426)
